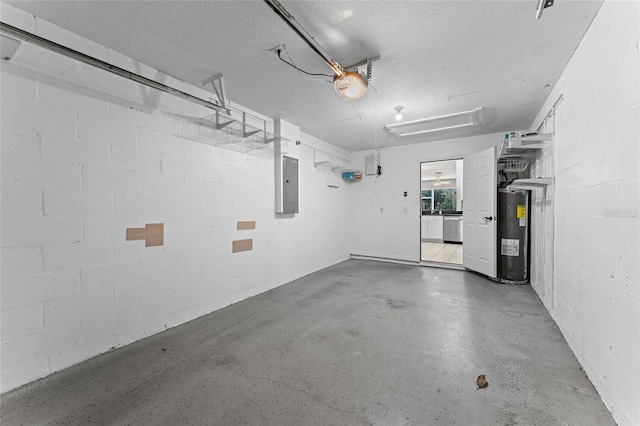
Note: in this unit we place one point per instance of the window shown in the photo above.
(439, 199)
(427, 199)
(444, 199)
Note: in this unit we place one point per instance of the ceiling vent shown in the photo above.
(435, 124)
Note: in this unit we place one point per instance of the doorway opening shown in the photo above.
(441, 200)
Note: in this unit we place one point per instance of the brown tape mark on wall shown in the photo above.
(155, 234)
(242, 245)
(152, 233)
(246, 225)
(136, 234)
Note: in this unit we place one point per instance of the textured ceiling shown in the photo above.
(436, 57)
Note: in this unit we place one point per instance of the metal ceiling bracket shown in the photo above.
(244, 127)
(219, 88)
(220, 125)
(542, 5)
(367, 62)
(267, 140)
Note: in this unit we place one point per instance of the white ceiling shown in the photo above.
(436, 57)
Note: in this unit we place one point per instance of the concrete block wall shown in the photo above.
(86, 155)
(596, 155)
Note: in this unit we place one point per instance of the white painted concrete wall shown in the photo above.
(595, 293)
(386, 224)
(84, 156)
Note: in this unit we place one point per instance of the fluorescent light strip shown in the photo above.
(471, 118)
(395, 132)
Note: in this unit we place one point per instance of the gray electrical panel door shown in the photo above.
(290, 185)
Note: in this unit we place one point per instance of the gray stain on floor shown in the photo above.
(359, 343)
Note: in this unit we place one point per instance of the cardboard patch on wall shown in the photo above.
(152, 233)
(155, 234)
(136, 234)
(242, 245)
(246, 225)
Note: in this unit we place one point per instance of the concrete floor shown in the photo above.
(360, 343)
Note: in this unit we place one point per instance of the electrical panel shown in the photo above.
(290, 185)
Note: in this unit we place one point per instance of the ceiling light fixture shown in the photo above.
(399, 112)
(437, 182)
(434, 124)
(348, 83)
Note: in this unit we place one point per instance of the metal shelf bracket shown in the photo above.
(217, 88)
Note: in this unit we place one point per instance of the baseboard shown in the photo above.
(385, 259)
(453, 266)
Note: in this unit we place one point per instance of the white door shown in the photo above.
(479, 212)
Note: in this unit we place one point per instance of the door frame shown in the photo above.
(427, 262)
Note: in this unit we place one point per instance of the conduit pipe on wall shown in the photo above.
(79, 56)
